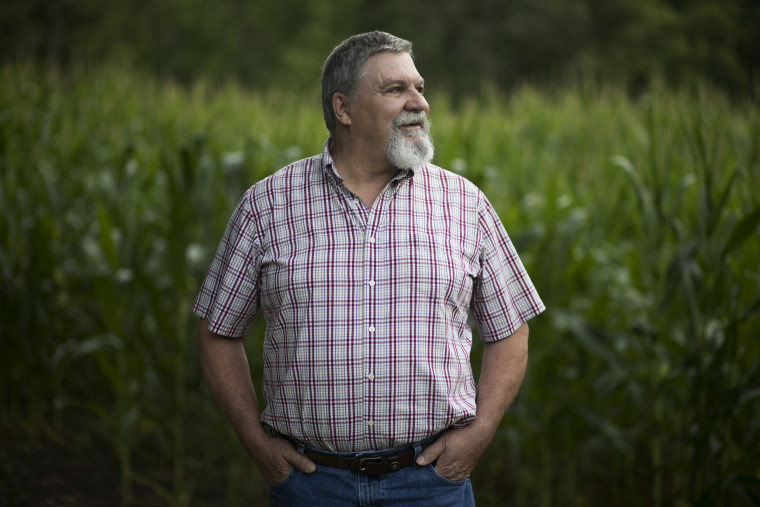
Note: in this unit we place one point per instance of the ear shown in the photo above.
(341, 106)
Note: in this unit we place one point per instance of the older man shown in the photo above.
(366, 262)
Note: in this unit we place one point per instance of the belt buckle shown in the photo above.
(369, 460)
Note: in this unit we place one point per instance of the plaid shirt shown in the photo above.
(367, 342)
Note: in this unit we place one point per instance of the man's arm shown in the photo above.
(502, 372)
(225, 368)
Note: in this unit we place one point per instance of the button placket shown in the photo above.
(370, 295)
(373, 331)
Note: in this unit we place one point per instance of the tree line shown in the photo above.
(461, 45)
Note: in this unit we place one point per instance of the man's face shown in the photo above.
(390, 112)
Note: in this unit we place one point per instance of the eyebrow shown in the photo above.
(401, 82)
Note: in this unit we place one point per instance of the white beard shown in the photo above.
(412, 149)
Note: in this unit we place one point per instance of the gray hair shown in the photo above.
(344, 68)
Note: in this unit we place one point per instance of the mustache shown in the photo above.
(412, 118)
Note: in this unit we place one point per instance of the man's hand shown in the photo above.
(276, 457)
(457, 451)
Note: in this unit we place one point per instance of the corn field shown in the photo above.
(638, 219)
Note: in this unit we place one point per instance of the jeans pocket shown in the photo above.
(451, 482)
(286, 479)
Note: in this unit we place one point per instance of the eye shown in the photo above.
(421, 90)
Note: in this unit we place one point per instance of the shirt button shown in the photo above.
(372, 239)
(371, 329)
(371, 376)
(370, 423)
(371, 283)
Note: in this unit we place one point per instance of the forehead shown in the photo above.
(390, 66)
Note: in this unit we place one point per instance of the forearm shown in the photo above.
(225, 369)
(501, 374)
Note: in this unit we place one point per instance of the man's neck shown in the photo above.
(363, 173)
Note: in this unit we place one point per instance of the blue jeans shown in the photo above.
(332, 487)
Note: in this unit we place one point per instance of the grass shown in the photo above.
(636, 217)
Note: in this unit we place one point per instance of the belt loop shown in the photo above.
(417, 452)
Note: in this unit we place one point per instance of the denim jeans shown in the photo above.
(332, 487)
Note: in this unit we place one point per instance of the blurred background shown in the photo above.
(618, 140)
(462, 45)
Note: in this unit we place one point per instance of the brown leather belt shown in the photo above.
(372, 466)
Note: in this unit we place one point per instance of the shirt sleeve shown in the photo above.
(504, 296)
(229, 296)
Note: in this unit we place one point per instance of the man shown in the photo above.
(366, 261)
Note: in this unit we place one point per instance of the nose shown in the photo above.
(417, 102)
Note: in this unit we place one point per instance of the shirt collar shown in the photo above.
(327, 161)
(329, 167)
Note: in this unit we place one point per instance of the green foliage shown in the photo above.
(637, 219)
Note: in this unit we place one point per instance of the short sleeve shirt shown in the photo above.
(368, 336)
